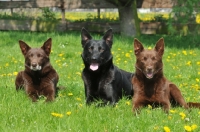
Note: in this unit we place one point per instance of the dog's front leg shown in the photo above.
(30, 88)
(89, 96)
(48, 89)
(31, 92)
(137, 105)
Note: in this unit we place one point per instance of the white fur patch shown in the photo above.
(37, 68)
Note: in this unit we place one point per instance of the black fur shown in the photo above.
(102, 79)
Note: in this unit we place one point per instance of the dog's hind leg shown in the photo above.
(19, 81)
(176, 95)
(166, 106)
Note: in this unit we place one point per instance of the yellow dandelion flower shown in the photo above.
(198, 62)
(69, 113)
(7, 64)
(70, 94)
(156, 127)
(80, 105)
(128, 103)
(172, 111)
(78, 73)
(169, 117)
(197, 79)
(79, 99)
(60, 55)
(166, 129)
(198, 73)
(198, 18)
(57, 115)
(184, 52)
(182, 115)
(15, 73)
(127, 55)
(149, 47)
(188, 128)
(194, 126)
(9, 74)
(60, 95)
(189, 63)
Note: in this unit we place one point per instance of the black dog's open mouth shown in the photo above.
(94, 66)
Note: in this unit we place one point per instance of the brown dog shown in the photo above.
(39, 77)
(150, 85)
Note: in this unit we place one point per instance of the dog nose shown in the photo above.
(34, 64)
(149, 68)
(94, 58)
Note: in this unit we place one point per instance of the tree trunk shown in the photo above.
(127, 22)
(137, 22)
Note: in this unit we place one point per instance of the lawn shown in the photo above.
(69, 111)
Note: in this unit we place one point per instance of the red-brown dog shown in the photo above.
(150, 85)
(39, 77)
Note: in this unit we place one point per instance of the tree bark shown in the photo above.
(128, 17)
(127, 23)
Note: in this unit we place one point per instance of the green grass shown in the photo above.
(18, 113)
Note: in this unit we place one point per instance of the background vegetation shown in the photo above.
(69, 111)
(107, 16)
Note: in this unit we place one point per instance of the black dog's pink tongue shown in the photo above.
(94, 66)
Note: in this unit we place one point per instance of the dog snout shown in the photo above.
(94, 58)
(149, 68)
(34, 64)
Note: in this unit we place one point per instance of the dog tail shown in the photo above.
(193, 105)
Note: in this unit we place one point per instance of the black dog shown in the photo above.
(102, 79)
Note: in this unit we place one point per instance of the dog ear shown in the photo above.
(24, 47)
(108, 37)
(47, 46)
(85, 36)
(160, 46)
(138, 47)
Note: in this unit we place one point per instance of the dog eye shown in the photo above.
(144, 58)
(39, 55)
(30, 55)
(101, 49)
(153, 58)
(90, 48)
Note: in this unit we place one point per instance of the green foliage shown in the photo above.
(69, 111)
(183, 13)
(48, 14)
(15, 16)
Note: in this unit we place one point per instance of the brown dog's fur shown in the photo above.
(150, 85)
(39, 77)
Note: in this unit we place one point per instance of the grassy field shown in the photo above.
(69, 111)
